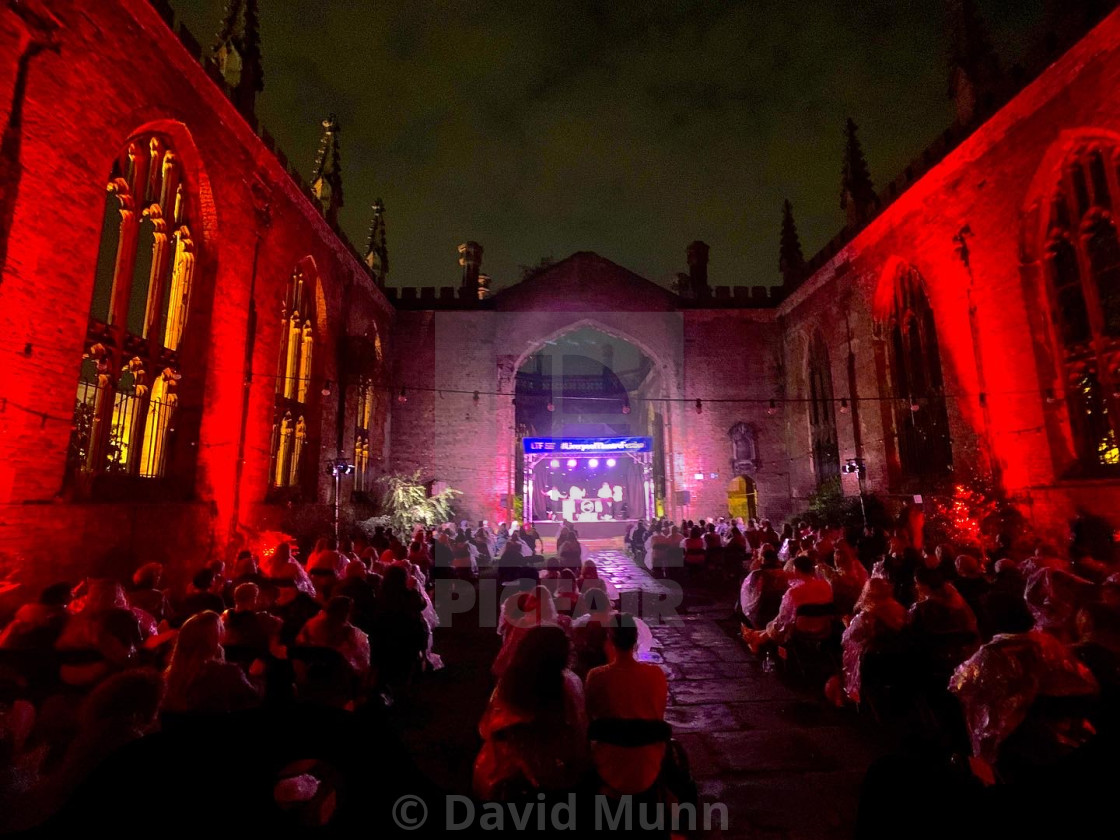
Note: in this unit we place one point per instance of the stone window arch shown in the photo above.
(916, 383)
(126, 401)
(297, 400)
(1081, 265)
(822, 413)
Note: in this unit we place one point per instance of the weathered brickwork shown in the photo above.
(79, 78)
(116, 70)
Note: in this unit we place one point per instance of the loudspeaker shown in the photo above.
(684, 497)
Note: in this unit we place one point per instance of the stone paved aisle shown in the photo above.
(785, 764)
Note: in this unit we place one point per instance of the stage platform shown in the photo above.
(588, 530)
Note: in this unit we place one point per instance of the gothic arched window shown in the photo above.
(822, 413)
(363, 420)
(1082, 257)
(126, 398)
(295, 402)
(918, 395)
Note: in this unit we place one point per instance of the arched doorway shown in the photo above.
(592, 394)
(742, 498)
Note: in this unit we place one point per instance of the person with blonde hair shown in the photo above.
(879, 619)
(198, 678)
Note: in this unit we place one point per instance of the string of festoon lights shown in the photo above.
(402, 392)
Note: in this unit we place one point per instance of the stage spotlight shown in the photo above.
(571, 463)
(554, 464)
(611, 462)
(593, 463)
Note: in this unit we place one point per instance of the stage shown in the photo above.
(603, 530)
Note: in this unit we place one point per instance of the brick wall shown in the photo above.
(118, 70)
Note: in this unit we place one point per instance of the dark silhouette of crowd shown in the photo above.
(270, 651)
(1000, 661)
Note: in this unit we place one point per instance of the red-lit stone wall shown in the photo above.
(116, 70)
(994, 183)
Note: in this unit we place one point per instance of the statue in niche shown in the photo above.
(744, 448)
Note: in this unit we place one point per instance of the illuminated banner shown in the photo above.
(576, 446)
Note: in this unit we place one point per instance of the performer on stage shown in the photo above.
(616, 502)
(576, 493)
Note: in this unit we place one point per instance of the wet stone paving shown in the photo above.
(784, 763)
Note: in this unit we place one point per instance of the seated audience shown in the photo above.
(534, 730)
(198, 679)
(626, 690)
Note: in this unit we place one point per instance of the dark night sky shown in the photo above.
(629, 127)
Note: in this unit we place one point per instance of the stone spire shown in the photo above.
(377, 251)
(791, 262)
(326, 180)
(974, 71)
(237, 53)
(697, 282)
(857, 196)
(470, 258)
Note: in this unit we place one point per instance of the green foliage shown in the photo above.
(405, 501)
(829, 506)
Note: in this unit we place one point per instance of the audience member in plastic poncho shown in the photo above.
(326, 566)
(534, 730)
(1098, 626)
(804, 588)
(942, 624)
(847, 577)
(1054, 597)
(146, 592)
(998, 686)
(361, 588)
(38, 624)
(520, 614)
(760, 596)
(96, 637)
(282, 566)
(198, 678)
(401, 635)
(246, 626)
(331, 628)
(876, 625)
